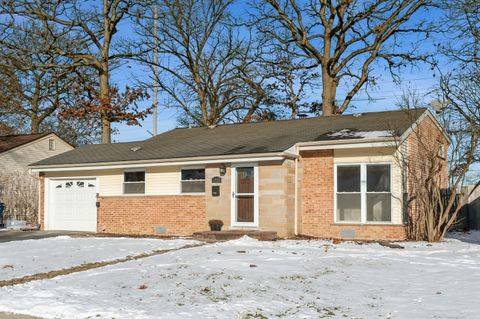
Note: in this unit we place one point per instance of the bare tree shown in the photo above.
(345, 38)
(206, 66)
(289, 81)
(460, 86)
(95, 26)
(462, 21)
(39, 83)
(19, 192)
(435, 171)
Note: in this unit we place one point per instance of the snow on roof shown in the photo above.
(347, 133)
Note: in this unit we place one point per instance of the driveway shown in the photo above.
(9, 315)
(14, 235)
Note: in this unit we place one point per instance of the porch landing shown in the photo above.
(224, 235)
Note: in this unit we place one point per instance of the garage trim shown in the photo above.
(46, 198)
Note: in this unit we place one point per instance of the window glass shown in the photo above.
(379, 207)
(193, 174)
(245, 180)
(134, 176)
(349, 207)
(134, 188)
(193, 180)
(378, 178)
(193, 186)
(134, 182)
(348, 178)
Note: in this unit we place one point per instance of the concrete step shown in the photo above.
(215, 236)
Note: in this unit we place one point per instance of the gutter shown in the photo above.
(165, 162)
(350, 143)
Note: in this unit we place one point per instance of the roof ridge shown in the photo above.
(25, 134)
(294, 120)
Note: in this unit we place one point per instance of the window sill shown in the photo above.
(366, 224)
(192, 194)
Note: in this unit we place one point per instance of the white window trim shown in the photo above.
(198, 180)
(123, 182)
(363, 194)
(233, 206)
(54, 144)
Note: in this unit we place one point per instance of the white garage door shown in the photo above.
(72, 205)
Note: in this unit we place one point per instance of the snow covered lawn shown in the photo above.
(27, 257)
(250, 279)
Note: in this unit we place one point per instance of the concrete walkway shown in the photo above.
(13, 235)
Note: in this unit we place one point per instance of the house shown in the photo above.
(331, 177)
(18, 189)
(19, 151)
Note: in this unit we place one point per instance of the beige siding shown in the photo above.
(158, 180)
(19, 158)
(162, 181)
(378, 155)
(110, 181)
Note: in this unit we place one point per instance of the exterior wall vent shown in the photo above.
(347, 234)
(160, 230)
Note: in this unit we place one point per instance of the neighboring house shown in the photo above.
(19, 151)
(335, 177)
(19, 189)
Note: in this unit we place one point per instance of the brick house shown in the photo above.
(331, 177)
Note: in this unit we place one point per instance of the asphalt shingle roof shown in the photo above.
(8, 142)
(248, 138)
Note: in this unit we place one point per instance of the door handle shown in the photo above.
(233, 194)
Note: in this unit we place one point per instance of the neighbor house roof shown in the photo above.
(8, 142)
(247, 138)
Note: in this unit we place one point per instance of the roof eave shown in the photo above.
(237, 158)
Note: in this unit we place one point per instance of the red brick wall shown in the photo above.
(317, 203)
(181, 215)
(422, 150)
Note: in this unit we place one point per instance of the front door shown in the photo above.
(244, 196)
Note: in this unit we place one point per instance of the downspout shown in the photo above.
(296, 192)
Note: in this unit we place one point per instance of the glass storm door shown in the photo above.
(244, 196)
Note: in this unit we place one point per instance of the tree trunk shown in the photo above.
(105, 105)
(34, 103)
(329, 91)
(34, 123)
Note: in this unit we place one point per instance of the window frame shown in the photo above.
(144, 182)
(52, 144)
(363, 193)
(440, 150)
(186, 168)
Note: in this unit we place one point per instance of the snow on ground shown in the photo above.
(251, 279)
(27, 257)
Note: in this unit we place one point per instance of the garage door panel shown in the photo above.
(72, 205)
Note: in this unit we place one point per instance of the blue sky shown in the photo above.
(384, 97)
